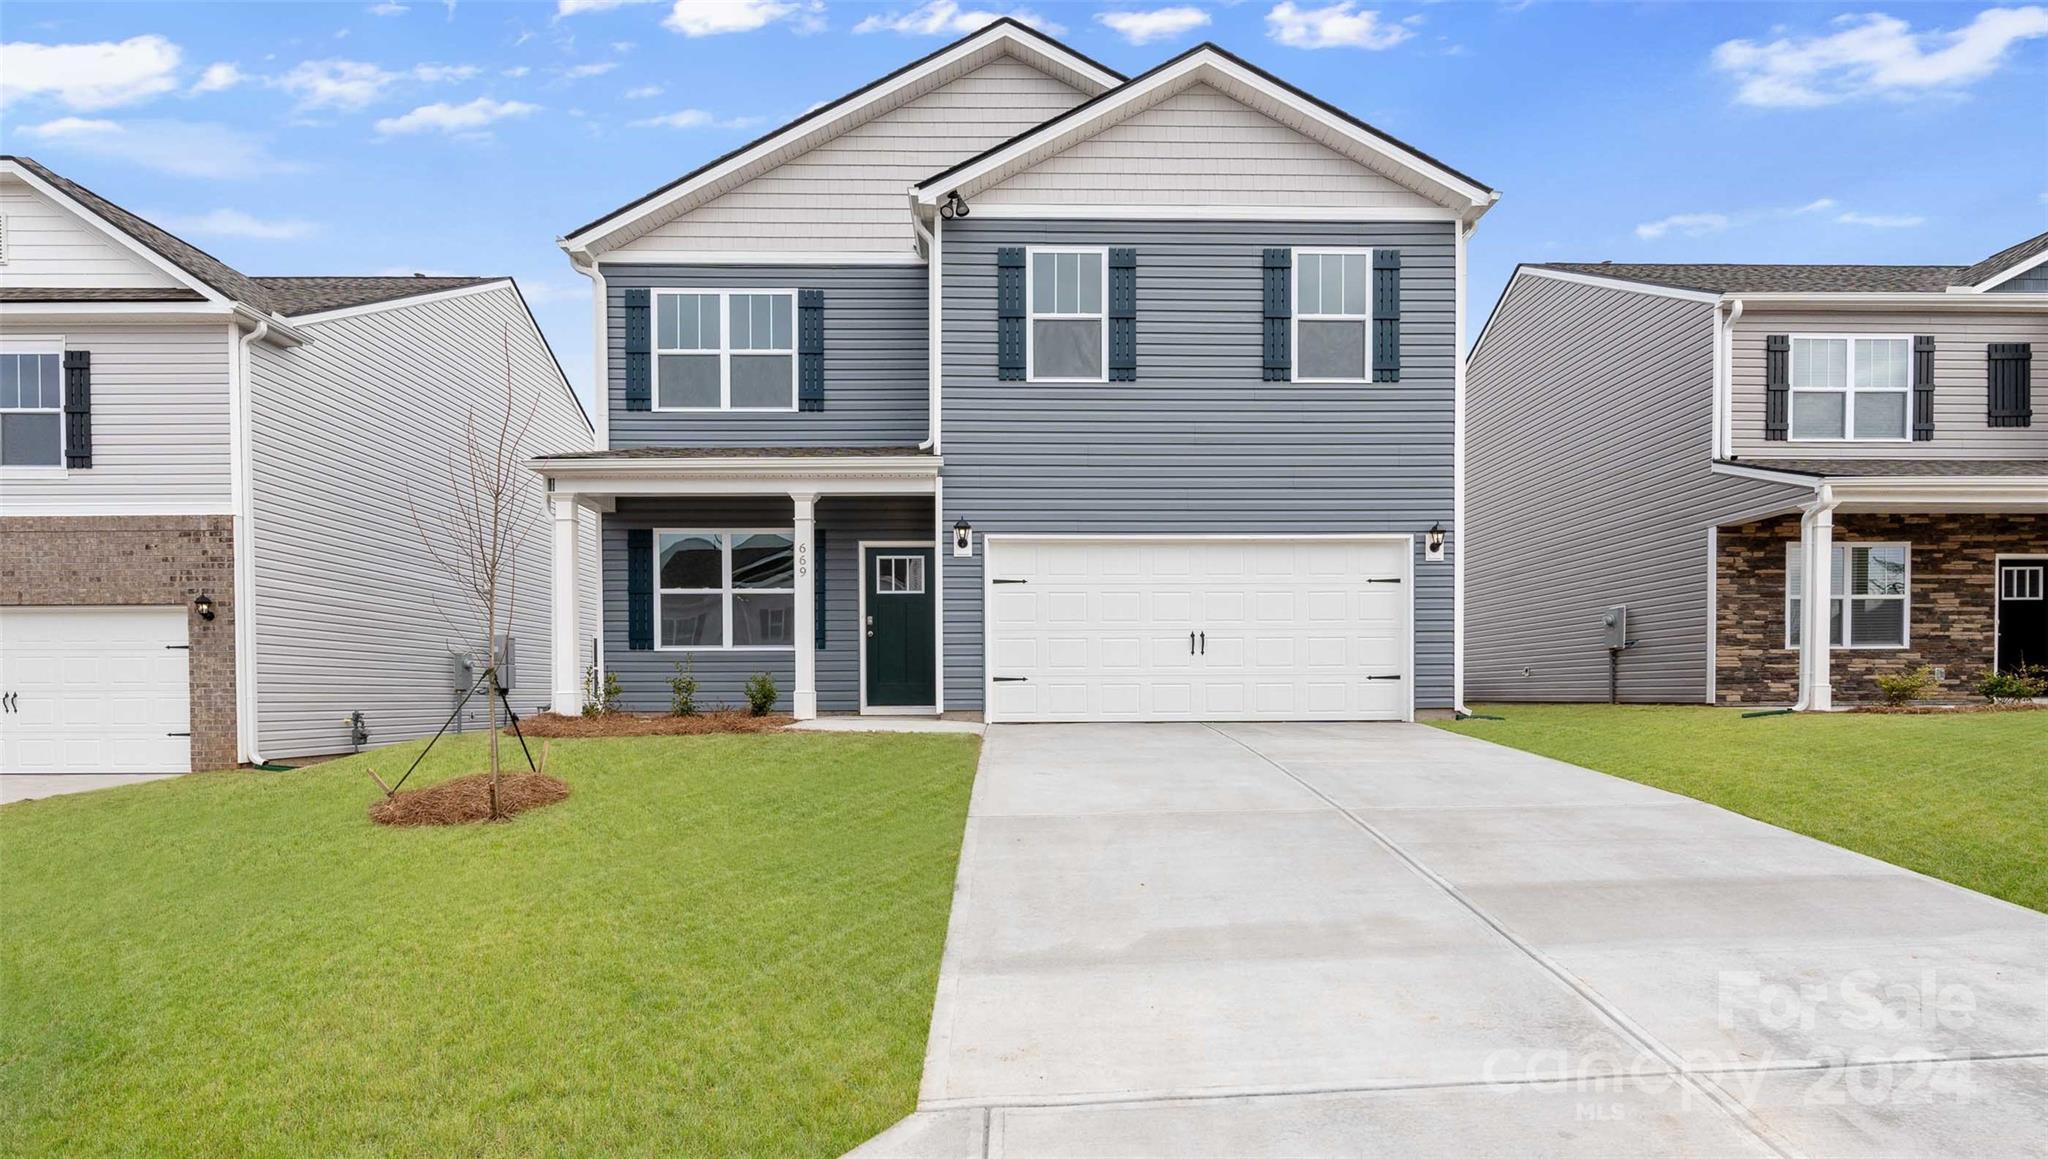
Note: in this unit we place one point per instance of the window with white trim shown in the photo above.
(725, 589)
(2016, 583)
(31, 405)
(1066, 335)
(1332, 315)
(899, 575)
(1870, 585)
(1851, 387)
(725, 350)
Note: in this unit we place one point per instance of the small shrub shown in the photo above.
(761, 694)
(682, 692)
(1908, 686)
(601, 692)
(2025, 684)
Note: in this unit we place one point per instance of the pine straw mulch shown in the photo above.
(1949, 709)
(468, 799)
(548, 724)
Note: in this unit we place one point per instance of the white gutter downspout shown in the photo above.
(242, 501)
(1724, 381)
(933, 286)
(1461, 234)
(600, 388)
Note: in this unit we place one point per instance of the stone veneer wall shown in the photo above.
(98, 561)
(1951, 616)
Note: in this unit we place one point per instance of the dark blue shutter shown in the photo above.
(639, 589)
(1923, 388)
(639, 352)
(2009, 379)
(1123, 315)
(1279, 314)
(1386, 315)
(1777, 387)
(77, 409)
(810, 350)
(1010, 313)
(818, 574)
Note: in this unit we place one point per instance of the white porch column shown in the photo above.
(566, 676)
(805, 699)
(1817, 547)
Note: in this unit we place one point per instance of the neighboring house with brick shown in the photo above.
(1009, 385)
(1747, 456)
(207, 482)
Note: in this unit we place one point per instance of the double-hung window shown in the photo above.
(725, 589)
(1870, 585)
(1851, 387)
(1067, 339)
(1332, 315)
(31, 405)
(725, 350)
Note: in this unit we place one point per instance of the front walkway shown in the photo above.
(1391, 940)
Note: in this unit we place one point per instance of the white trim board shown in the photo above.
(761, 258)
(2026, 266)
(1017, 210)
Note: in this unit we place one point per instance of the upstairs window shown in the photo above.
(725, 350)
(1066, 338)
(1332, 315)
(31, 408)
(1870, 585)
(725, 589)
(1851, 387)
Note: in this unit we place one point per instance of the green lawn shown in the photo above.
(1962, 797)
(722, 944)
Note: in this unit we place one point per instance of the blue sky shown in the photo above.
(464, 137)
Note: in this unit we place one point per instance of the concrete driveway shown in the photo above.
(1307, 939)
(32, 786)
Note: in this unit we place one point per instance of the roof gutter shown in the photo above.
(1724, 376)
(584, 262)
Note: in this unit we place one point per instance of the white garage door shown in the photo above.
(1198, 629)
(94, 690)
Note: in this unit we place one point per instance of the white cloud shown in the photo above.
(235, 223)
(86, 77)
(1685, 224)
(336, 84)
(1874, 55)
(442, 73)
(1339, 25)
(1817, 205)
(577, 7)
(947, 18)
(472, 117)
(696, 119)
(643, 92)
(180, 148)
(520, 71)
(389, 8)
(712, 17)
(218, 78)
(1157, 24)
(1881, 220)
(596, 68)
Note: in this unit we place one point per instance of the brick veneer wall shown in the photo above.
(1951, 616)
(96, 561)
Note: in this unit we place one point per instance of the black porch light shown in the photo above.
(963, 537)
(954, 206)
(204, 606)
(1434, 540)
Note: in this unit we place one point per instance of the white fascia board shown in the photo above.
(759, 258)
(1282, 213)
(1999, 279)
(894, 474)
(126, 311)
(117, 236)
(1199, 66)
(1765, 474)
(1995, 303)
(1981, 493)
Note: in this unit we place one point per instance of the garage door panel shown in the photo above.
(99, 690)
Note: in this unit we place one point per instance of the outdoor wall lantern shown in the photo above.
(955, 206)
(1433, 542)
(963, 538)
(204, 606)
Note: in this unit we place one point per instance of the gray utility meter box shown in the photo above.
(1614, 623)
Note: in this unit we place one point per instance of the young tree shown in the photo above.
(476, 536)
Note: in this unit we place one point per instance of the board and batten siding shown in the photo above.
(48, 247)
(876, 357)
(1588, 483)
(1960, 338)
(1200, 147)
(842, 522)
(160, 442)
(2034, 281)
(1198, 444)
(352, 433)
(847, 194)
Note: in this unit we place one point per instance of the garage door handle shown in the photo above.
(177, 734)
(1011, 679)
(1191, 643)
(1391, 580)
(1205, 643)
(1004, 581)
(1383, 678)
(7, 702)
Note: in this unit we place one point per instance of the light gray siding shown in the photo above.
(843, 521)
(875, 360)
(1960, 337)
(1198, 444)
(352, 433)
(2034, 281)
(1588, 483)
(159, 423)
(48, 245)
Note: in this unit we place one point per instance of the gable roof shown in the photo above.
(317, 295)
(2008, 261)
(1004, 36)
(1738, 278)
(1207, 63)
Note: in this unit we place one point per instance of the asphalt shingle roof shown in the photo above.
(314, 295)
(91, 294)
(2004, 260)
(1716, 278)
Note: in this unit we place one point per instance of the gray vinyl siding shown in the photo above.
(876, 360)
(1960, 431)
(352, 432)
(2034, 281)
(160, 441)
(1198, 444)
(843, 521)
(1588, 483)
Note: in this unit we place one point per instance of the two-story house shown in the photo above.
(215, 491)
(1747, 457)
(1007, 384)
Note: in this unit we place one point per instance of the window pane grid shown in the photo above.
(1332, 316)
(725, 589)
(899, 575)
(725, 350)
(1850, 388)
(1869, 585)
(1066, 328)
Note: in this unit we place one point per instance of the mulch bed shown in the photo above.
(1945, 709)
(548, 724)
(467, 799)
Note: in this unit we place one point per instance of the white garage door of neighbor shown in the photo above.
(94, 690)
(1198, 629)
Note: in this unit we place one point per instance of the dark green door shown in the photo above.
(899, 625)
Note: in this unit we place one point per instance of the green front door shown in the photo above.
(899, 625)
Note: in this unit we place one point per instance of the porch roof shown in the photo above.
(1897, 468)
(1954, 485)
(596, 476)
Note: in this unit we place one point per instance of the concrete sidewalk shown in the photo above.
(1391, 940)
(32, 786)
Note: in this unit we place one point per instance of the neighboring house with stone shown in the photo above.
(207, 548)
(1746, 456)
(1010, 385)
